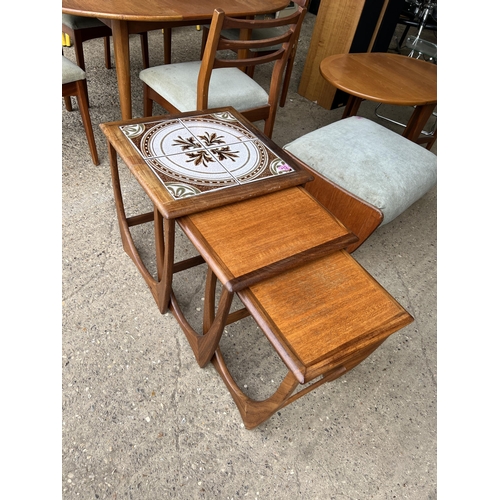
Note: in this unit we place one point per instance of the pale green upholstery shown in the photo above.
(370, 161)
(71, 72)
(228, 86)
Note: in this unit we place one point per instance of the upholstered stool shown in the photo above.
(370, 161)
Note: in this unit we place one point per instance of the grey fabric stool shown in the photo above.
(74, 83)
(371, 162)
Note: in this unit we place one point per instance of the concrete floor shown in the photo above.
(142, 421)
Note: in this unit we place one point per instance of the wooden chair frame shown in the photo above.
(250, 70)
(79, 90)
(246, 58)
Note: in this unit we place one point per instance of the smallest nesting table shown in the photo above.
(388, 79)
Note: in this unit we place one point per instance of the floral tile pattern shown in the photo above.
(194, 155)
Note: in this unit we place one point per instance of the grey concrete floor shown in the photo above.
(142, 421)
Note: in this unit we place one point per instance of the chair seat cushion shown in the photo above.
(80, 22)
(228, 86)
(71, 72)
(370, 161)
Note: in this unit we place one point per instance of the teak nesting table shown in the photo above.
(239, 199)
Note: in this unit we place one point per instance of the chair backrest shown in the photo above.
(217, 49)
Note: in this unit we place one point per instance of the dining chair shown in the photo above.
(74, 83)
(217, 81)
(371, 162)
(263, 33)
(80, 29)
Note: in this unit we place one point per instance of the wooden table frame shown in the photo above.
(325, 243)
(167, 211)
(126, 17)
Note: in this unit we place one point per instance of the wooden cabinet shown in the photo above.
(344, 26)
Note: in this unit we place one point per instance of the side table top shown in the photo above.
(383, 77)
(245, 242)
(194, 161)
(323, 313)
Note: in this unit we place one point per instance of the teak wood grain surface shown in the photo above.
(245, 241)
(388, 79)
(334, 29)
(383, 77)
(319, 315)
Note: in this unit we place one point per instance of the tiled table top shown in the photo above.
(197, 154)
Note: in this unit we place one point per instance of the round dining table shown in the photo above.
(126, 17)
(385, 78)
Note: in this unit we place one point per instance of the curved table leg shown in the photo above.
(204, 345)
(253, 412)
(165, 238)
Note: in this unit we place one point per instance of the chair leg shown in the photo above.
(167, 45)
(432, 141)
(80, 60)
(81, 86)
(286, 78)
(148, 102)
(144, 49)
(78, 44)
(107, 52)
(67, 103)
(403, 37)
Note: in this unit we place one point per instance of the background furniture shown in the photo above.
(80, 29)
(345, 26)
(74, 83)
(125, 18)
(419, 14)
(217, 80)
(385, 78)
(369, 161)
(260, 34)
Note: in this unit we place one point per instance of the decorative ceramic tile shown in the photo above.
(203, 153)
